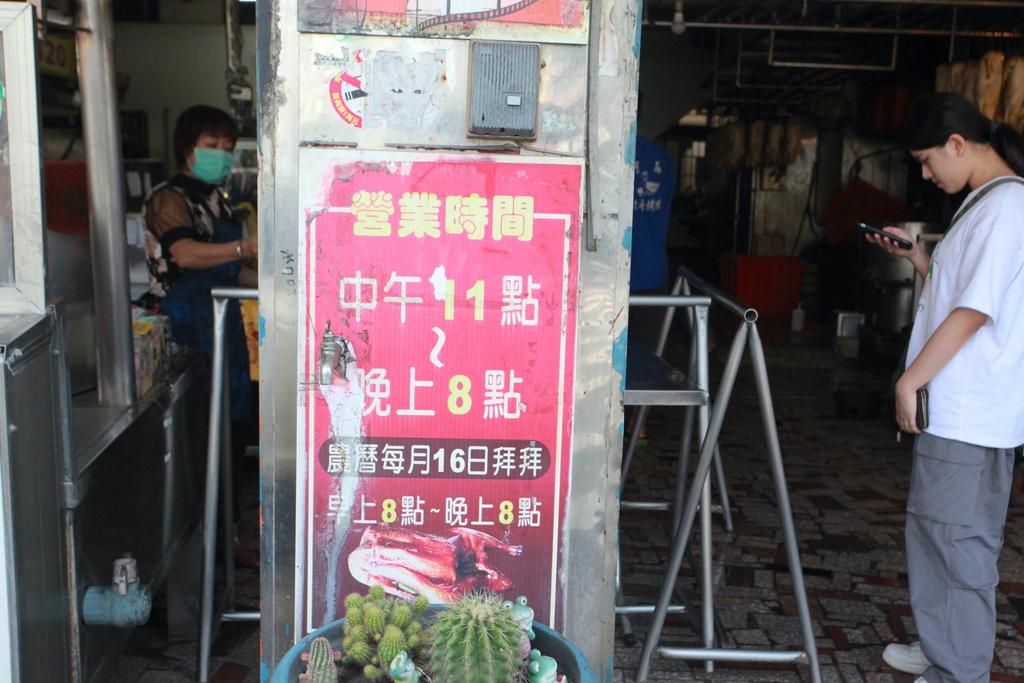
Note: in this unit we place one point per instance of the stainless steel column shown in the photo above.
(116, 371)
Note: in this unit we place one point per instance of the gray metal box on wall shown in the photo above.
(503, 89)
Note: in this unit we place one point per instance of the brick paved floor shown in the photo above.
(848, 481)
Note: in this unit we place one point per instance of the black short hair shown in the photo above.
(196, 121)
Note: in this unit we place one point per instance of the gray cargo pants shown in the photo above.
(955, 516)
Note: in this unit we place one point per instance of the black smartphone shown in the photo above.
(922, 408)
(900, 242)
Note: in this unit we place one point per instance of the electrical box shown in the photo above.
(503, 90)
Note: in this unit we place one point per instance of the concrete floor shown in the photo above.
(848, 483)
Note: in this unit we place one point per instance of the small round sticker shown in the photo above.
(347, 93)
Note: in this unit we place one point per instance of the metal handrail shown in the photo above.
(726, 301)
(218, 476)
(699, 495)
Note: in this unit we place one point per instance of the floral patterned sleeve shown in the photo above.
(169, 217)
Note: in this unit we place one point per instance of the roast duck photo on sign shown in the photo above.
(409, 564)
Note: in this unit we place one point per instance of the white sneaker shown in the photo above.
(920, 679)
(907, 658)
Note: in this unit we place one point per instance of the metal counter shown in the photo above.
(138, 488)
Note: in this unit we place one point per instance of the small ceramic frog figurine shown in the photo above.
(523, 616)
(320, 658)
(403, 670)
(542, 669)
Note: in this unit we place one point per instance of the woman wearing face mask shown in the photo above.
(966, 349)
(194, 245)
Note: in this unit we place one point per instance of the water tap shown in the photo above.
(124, 603)
(333, 357)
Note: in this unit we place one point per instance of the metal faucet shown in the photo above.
(333, 356)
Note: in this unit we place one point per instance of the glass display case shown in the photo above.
(22, 285)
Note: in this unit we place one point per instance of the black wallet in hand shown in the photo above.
(922, 408)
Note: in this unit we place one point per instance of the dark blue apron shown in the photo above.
(190, 308)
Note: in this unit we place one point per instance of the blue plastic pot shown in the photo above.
(551, 643)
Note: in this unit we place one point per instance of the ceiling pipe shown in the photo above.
(728, 16)
(955, 3)
(843, 29)
(891, 66)
(998, 4)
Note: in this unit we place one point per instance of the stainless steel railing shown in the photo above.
(218, 489)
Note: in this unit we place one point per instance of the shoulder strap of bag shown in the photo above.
(984, 191)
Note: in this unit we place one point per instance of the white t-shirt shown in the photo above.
(978, 397)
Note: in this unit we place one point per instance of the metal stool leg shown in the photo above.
(213, 467)
(623, 610)
(723, 495)
(682, 468)
(628, 636)
(227, 511)
(627, 458)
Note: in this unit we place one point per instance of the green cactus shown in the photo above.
(475, 640)
(355, 614)
(373, 618)
(391, 643)
(374, 672)
(401, 615)
(320, 667)
(377, 628)
(359, 651)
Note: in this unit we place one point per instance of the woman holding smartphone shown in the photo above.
(966, 348)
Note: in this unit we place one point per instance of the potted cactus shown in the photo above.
(476, 639)
(379, 627)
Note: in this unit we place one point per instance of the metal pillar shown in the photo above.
(116, 369)
(585, 114)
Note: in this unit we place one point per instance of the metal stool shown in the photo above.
(652, 381)
(218, 480)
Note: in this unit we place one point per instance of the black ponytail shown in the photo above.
(1009, 144)
(932, 122)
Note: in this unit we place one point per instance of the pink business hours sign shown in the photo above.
(441, 316)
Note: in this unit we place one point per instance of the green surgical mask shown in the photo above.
(211, 165)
